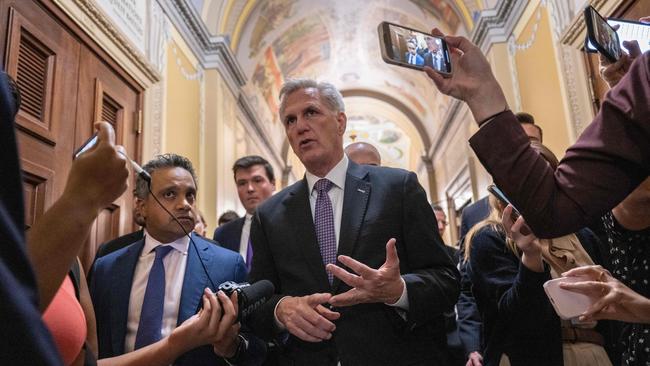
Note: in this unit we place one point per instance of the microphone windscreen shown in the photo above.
(254, 296)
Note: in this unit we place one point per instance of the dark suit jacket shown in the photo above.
(119, 243)
(110, 289)
(229, 235)
(378, 204)
(607, 162)
(438, 65)
(24, 340)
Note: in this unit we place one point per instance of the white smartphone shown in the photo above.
(407, 47)
(567, 304)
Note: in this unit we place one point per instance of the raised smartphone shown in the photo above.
(628, 30)
(567, 304)
(412, 48)
(494, 190)
(601, 35)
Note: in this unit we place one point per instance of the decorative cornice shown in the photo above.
(495, 25)
(95, 19)
(213, 52)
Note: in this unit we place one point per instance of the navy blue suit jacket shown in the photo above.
(110, 289)
(229, 234)
(25, 340)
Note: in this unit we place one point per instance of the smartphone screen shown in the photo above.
(628, 31)
(415, 49)
(92, 141)
(601, 35)
(496, 192)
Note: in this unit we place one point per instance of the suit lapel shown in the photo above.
(121, 292)
(301, 220)
(195, 280)
(355, 203)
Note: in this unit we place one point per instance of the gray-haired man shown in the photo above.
(386, 307)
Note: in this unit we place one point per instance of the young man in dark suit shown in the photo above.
(388, 309)
(255, 183)
(143, 291)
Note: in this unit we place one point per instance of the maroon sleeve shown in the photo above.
(609, 160)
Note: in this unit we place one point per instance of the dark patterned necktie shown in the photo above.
(152, 305)
(324, 223)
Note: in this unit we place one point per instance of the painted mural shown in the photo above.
(391, 142)
(272, 13)
(440, 9)
(302, 48)
(268, 80)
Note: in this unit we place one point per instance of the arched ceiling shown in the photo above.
(337, 41)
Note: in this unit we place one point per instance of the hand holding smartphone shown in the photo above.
(601, 35)
(567, 304)
(407, 47)
(496, 192)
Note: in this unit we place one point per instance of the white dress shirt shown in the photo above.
(175, 263)
(245, 234)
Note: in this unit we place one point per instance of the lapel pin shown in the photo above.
(361, 190)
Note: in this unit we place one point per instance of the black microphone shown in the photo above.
(250, 297)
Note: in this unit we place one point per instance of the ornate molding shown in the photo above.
(93, 20)
(213, 52)
(448, 122)
(495, 25)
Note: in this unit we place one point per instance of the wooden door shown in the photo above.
(104, 96)
(43, 58)
(66, 83)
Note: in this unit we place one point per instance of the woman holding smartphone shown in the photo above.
(520, 326)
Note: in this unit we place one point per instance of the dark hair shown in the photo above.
(161, 162)
(528, 119)
(15, 92)
(227, 216)
(437, 208)
(252, 160)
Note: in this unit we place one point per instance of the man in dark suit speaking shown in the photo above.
(386, 307)
(255, 183)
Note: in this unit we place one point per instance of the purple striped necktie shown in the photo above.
(249, 255)
(324, 223)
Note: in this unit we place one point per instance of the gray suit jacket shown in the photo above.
(378, 204)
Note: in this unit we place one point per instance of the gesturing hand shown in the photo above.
(306, 318)
(615, 300)
(370, 285)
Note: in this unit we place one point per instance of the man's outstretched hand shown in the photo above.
(384, 285)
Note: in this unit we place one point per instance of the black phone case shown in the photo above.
(592, 38)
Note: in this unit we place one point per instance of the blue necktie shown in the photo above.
(154, 299)
(324, 223)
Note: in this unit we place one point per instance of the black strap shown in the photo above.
(75, 276)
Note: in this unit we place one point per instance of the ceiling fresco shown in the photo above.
(336, 41)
